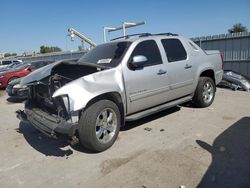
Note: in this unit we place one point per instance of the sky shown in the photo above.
(25, 25)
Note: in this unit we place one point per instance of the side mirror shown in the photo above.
(138, 62)
(29, 69)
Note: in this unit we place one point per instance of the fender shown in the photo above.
(203, 67)
(84, 89)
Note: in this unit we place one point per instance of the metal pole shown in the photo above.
(81, 36)
(109, 29)
(82, 44)
(124, 26)
(128, 25)
(104, 35)
(124, 29)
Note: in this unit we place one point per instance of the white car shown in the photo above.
(5, 63)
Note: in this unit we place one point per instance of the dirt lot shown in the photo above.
(187, 146)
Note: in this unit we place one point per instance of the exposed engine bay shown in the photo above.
(40, 95)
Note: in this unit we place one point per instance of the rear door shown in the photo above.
(179, 67)
(147, 86)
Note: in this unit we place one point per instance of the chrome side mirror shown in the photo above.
(138, 62)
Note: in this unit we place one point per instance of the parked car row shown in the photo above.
(9, 66)
(11, 75)
(14, 89)
(21, 70)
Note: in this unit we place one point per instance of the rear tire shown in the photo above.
(205, 92)
(99, 125)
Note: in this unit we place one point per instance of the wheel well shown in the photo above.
(114, 97)
(208, 73)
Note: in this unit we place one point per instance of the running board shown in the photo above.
(156, 109)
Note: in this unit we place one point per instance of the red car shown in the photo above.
(20, 71)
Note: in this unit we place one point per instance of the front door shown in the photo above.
(147, 86)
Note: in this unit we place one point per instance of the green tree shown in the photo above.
(49, 49)
(238, 27)
(10, 54)
(7, 55)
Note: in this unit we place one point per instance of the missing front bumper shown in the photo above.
(48, 124)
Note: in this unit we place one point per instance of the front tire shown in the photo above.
(99, 125)
(205, 92)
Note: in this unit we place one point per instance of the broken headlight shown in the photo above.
(19, 86)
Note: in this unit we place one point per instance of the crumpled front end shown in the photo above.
(50, 124)
(50, 115)
(55, 102)
(53, 115)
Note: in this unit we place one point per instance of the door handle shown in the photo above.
(187, 66)
(161, 71)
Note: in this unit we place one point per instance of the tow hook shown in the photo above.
(20, 114)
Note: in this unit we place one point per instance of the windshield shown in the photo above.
(12, 65)
(21, 66)
(108, 55)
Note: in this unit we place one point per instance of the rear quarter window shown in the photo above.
(174, 50)
(193, 46)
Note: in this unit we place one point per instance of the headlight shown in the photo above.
(19, 86)
(67, 103)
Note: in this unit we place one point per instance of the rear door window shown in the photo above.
(193, 46)
(174, 50)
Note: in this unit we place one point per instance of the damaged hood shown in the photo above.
(44, 72)
(84, 89)
(40, 73)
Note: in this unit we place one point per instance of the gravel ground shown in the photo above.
(187, 146)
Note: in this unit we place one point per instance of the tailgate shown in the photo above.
(212, 52)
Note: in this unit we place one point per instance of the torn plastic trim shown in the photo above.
(49, 124)
(236, 79)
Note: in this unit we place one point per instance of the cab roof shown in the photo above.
(134, 37)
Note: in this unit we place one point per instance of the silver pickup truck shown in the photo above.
(122, 80)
